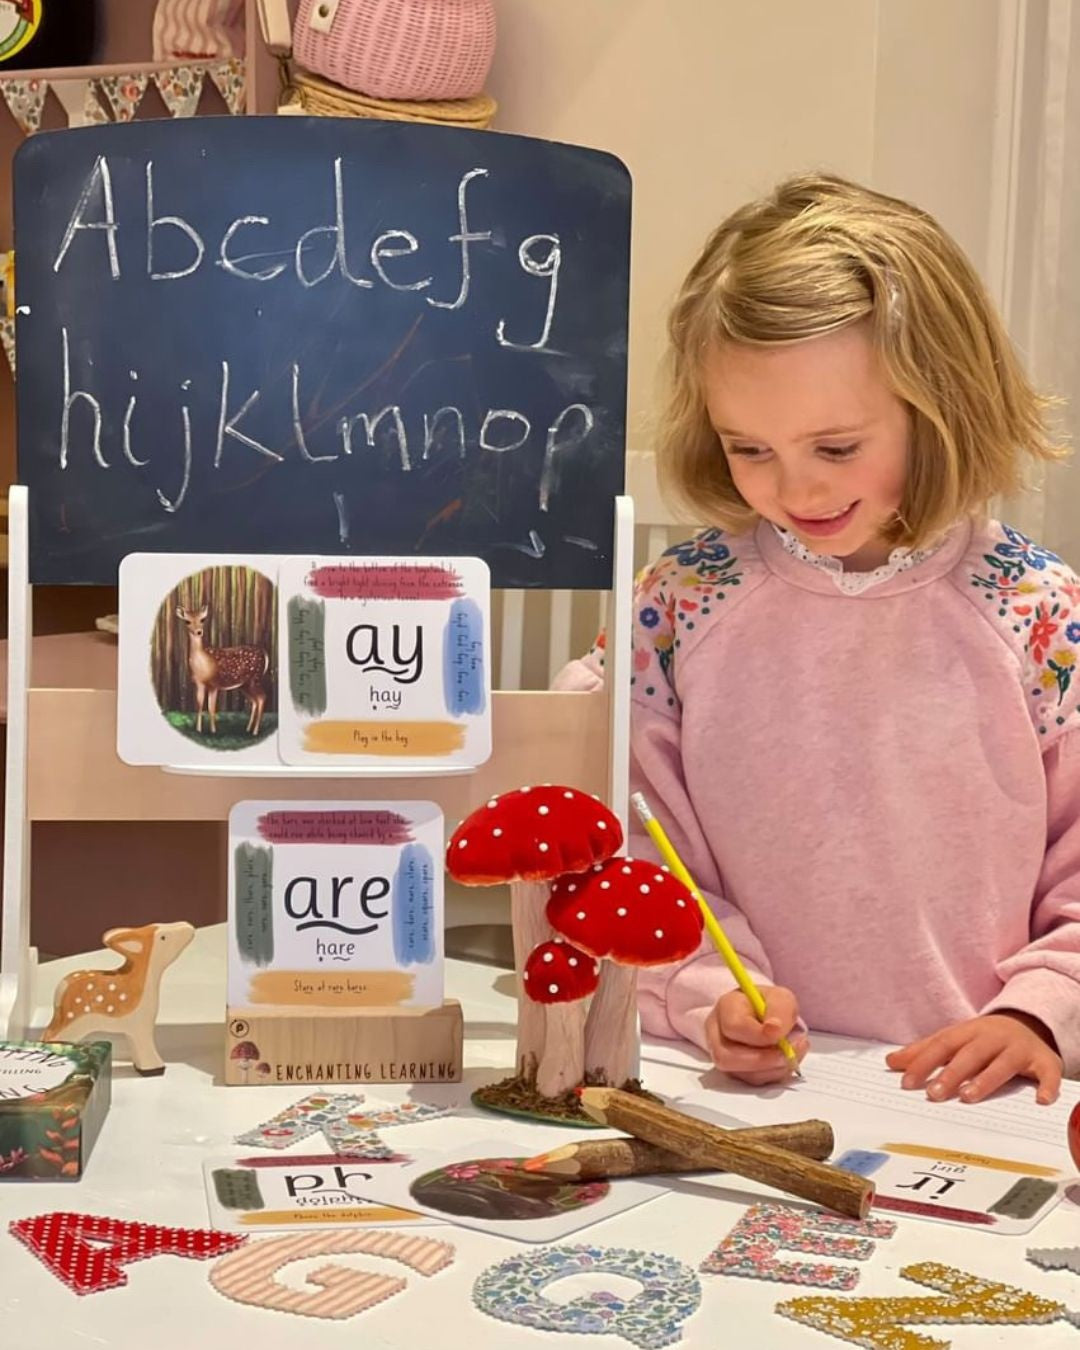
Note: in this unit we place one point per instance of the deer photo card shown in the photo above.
(197, 674)
(335, 905)
(385, 662)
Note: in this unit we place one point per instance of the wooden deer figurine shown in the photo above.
(216, 668)
(122, 1001)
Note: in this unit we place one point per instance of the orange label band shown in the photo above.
(332, 989)
(391, 739)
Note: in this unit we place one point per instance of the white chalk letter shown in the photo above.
(338, 231)
(549, 475)
(464, 237)
(227, 425)
(431, 429)
(547, 266)
(70, 397)
(298, 426)
(232, 265)
(99, 174)
(345, 427)
(510, 416)
(178, 503)
(379, 251)
(154, 223)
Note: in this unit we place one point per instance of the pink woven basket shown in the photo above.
(408, 49)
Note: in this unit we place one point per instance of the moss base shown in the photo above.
(518, 1096)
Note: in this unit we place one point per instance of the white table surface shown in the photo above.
(147, 1165)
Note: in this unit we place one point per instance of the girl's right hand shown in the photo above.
(748, 1049)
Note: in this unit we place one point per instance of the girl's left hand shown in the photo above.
(977, 1057)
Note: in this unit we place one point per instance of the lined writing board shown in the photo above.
(305, 335)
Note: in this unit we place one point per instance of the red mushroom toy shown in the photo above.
(558, 972)
(635, 913)
(527, 838)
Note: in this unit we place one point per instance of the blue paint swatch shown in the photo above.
(414, 907)
(864, 1162)
(463, 659)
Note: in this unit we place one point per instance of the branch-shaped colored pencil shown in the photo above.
(594, 1159)
(846, 1192)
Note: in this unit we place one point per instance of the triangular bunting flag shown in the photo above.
(26, 98)
(93, 113)
(231, 80)
(181, 88)
(125, 93)
(7, 337)
(79, 101)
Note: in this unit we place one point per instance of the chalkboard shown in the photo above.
(310, 335)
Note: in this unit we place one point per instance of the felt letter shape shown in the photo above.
(88, 1252)
(879, 1323)
(513, 1291)
(751, 1246)
(339, 1292)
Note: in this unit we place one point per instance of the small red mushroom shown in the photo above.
(558, 972)
(627, 909)
(246, 1052)
(532, 834)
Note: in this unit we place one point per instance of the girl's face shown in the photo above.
(815, 439)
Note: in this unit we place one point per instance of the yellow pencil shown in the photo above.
(716, 932)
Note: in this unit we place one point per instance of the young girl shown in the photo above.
(855, 703)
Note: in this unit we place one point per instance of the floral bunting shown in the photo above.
(181, 88)
(93, 114)
(118, 97)
(231, 80)
(7, 338)
(125, 93)
(25, 99)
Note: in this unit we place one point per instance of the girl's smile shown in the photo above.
(824, 526)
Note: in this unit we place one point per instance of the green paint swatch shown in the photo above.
(307, 655)
(1024, 1199)
(237, 1188)
(253, 884)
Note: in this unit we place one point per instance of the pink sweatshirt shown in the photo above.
(878, 793)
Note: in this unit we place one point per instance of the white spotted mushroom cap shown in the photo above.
(631, 911)
(532, 834)
(557, 972)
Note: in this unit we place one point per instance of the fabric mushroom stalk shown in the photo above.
(527, 838)
(634, 913)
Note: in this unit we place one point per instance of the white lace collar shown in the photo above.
(853, 583)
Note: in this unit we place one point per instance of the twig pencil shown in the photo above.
(666, 849)
(844, 1192)
(602, 1158)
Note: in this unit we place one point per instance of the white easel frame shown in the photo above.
(18, 960)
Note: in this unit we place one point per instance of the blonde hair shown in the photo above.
(821, 253)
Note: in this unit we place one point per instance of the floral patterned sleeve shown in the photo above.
(675, 604)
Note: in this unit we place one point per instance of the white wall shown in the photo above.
(706, 101)
(936, 130)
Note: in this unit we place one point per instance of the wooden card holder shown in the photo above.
(282, 1046)
(68, 769)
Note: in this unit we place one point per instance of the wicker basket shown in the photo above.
(398, 49)
(320, 98)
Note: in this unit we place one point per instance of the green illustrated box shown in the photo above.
(53, 1100)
